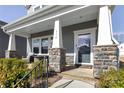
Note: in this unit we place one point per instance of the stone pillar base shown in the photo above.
(10, 54)
(57, 59)
(105, 57)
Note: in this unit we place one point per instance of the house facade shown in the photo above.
(4, 40)
(68, 34)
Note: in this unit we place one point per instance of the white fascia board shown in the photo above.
(29, 17)
(52, 17)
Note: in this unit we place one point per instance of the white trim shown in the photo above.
(28, 17)
(41, 37)
(104, 27)
(12, 43)
(69, 54)
(36, 7)
(48, 18)
(41, 6)
(57, 36)
(28, 46)
(92, 31)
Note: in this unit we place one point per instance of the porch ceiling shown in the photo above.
(78, 16)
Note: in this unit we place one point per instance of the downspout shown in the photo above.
(110, 23)
(113, 39)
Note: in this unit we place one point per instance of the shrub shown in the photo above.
(112, 79)
(38, 72)
(11, 71)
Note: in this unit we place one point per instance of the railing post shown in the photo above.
(35, 76)
(46, 71)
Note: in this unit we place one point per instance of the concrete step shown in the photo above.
(82, 74)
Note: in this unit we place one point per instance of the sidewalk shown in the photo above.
(68, 83)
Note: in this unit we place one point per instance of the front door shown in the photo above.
(83, 48)
(83, 42)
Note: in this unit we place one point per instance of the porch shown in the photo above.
(60, 31)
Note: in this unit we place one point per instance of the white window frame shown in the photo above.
(42, 37)
(41, 6)
(36, 6)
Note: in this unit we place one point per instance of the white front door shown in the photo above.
(84, 40)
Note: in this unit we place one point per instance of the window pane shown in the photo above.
(35, 49)
(36, 44)
(44, 45)
(36, 8)
(84, 41)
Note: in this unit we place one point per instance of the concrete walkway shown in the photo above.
(81, 74)
(68, 83)
(76, 78)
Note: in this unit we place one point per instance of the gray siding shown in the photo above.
(45, 33)
(4, 39)
(21, 46)
(68, 35)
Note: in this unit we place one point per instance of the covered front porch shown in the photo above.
(63, 33)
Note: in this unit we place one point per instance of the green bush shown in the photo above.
(38, 71)
(11, 71)
(112, 79)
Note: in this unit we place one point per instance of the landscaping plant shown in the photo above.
(11, 71)
(112, 79)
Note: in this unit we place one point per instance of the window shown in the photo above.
(41, 44)
(36, 45)
(36, 8)
(44, 45)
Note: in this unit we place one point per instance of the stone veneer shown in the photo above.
(105, 57)
(10, 54)
(70, 60)
(57, 59)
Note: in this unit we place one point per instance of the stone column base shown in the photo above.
(57, 59)
(10, 54)
(105, 57)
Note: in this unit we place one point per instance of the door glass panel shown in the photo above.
(84, 48)
(36, 43)
(44, 45)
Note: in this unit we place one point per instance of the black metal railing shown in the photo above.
(37, 77)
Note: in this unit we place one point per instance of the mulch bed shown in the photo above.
(51, 80)
(54, 79)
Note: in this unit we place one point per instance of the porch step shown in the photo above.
(86, 66)
(82, 74)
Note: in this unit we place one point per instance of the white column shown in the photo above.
(12, 43)
(57, 37)
(28, 46)
(104, 28)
